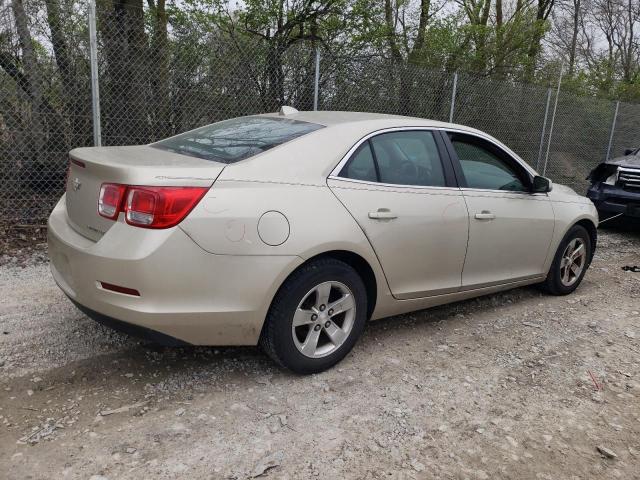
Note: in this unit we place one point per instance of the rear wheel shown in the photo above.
(316, 317)
(570, 262)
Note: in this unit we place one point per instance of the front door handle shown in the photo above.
(382, 214)
(485, 215)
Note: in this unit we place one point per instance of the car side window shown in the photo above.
(486, 167)
(408, 158)
(400, 158)
(361, 165)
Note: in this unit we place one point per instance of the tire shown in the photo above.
(301, 297)
(557, 282)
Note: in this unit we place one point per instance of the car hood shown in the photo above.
(562, 193)
(632, 161)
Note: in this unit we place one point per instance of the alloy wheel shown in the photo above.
(573, 261)
(324, 319)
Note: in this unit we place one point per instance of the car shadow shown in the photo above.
(211, 366)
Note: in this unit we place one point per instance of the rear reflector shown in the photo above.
(148, 207)
(119, 289)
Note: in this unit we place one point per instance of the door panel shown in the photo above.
(509, 236)
(510, 229)
(419, 234)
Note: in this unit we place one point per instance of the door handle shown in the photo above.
(382, 214)
(485, 215)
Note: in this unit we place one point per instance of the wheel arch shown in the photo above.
(592, 230)
(357, 262)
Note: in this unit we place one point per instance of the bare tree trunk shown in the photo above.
(160, 65)
(418, 45)
(628, 57)
(126, 82)
(75, 100)
(34, 83)
(499, 23)
(543, 10)
(397, 60)
(308, 87)
(391, 32)
(275, 75)
(574, 36)
(482, 57)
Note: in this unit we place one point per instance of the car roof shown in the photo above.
(337, 117)
(310, 158)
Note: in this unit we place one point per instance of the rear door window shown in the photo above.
(236, 139)
(408, 158)
(398, 158)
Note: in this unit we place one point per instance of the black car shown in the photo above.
(615, 186)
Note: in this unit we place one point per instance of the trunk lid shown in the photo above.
(137, 165)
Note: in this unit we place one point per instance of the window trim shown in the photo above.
(449, 159)
(512, 160)
(445, 160)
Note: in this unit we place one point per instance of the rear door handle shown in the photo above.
(485, 215)
(382, 214)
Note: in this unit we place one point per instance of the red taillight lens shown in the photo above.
(161, 207)
(141, 206)
(149, 207)
(110, 200)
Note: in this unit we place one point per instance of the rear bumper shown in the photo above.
(612, 200)
(130, 329)
(186, 293)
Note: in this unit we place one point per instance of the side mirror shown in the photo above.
(629, 151)
(541, 185)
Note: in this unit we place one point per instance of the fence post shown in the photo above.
(544, 128)
(613, 129)
(93, 60)
(316, 80)
(553, 119)
(453, 96)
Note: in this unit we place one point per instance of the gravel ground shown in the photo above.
(516, 385)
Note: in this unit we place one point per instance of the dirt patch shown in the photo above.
(515, 385)
(22, 245)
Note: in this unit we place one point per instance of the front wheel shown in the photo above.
(570, 262)
(316, 317)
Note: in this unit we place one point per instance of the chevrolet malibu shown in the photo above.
(291, 230)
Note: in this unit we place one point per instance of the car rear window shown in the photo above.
(236, 139)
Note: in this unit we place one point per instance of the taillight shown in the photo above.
(149, 207)
(110, 200)
(141, 206)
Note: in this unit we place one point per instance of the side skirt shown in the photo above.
(390, 306)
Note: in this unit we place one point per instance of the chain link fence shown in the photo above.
(156, 80)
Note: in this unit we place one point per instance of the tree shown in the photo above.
(29, 80)
(74, 86)
(280, 24)
(542, 11)
(125, 81)
(159, 54)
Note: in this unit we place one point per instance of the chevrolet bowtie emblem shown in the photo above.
(76, 184)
